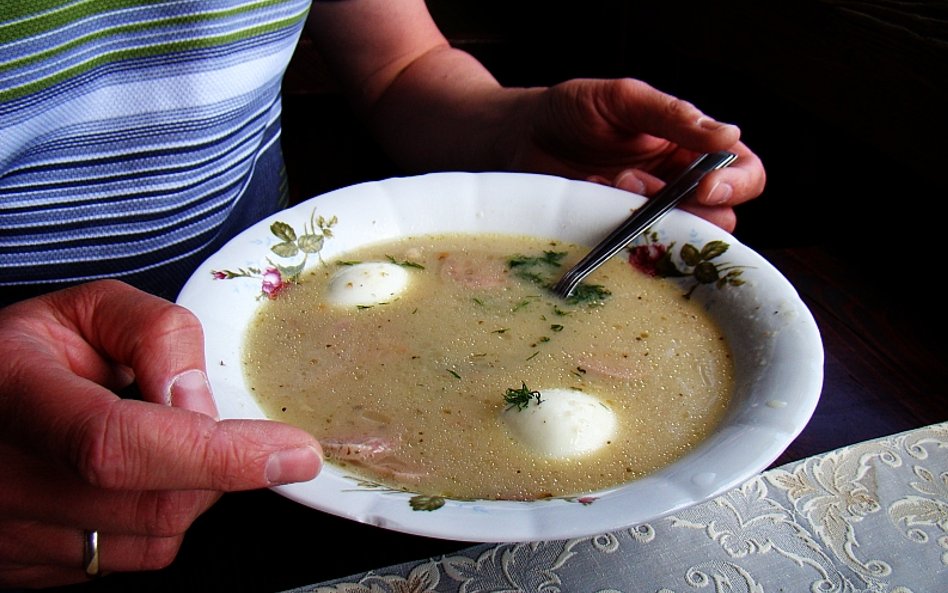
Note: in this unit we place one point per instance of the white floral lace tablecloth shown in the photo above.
(868, 517)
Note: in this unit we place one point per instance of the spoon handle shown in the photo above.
(642, 218)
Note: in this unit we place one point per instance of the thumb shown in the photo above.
(54, 353)
(129, 444)
(142, 446)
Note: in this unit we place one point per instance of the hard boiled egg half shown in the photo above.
(366, 284)
(566, 423)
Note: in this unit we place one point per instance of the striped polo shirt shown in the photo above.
(136, 135)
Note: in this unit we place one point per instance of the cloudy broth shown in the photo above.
(410, 393)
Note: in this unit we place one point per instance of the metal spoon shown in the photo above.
(649, 213)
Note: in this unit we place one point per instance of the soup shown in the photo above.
(442, 365)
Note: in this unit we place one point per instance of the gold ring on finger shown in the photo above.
(90, 553)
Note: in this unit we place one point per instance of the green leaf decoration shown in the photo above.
(310, 243)
(666, 268)
(325, 224)
(697, 263)
(291, 273)
(733, 277)
(283, 231)
(239, 273)
(426, 503)
(285, 249)
(713, 249)
(706, 273)
(690, 255)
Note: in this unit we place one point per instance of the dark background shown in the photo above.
(844, 102)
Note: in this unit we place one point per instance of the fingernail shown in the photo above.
(598, 179)
(628, 181)
(720, 193)
(190, 390)
(293, 465)
(712, 125)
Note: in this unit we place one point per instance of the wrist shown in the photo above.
(514, 128)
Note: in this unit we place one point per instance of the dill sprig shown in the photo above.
(521, 398)
(541, 271)
(405, 263)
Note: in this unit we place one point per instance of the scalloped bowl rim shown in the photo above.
(774, 339)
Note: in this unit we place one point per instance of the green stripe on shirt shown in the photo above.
(142, 52)
(18, 26)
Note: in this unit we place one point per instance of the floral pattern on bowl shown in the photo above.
(655, 258)
(276, 276)
(775, 343)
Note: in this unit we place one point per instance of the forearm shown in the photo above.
(431, 106)
(445, 111)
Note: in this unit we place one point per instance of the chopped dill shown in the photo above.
(591, 294)
(405, 263)
(524, 303)
(521, 398)
(542, 271)
(549, 258)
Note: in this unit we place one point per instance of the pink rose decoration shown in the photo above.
(218, 275)
(273, 283)
(646, 257)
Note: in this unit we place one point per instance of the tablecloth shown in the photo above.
(871, 517)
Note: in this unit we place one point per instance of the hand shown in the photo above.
(434, 107)
(627, 134)
(77, 457)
